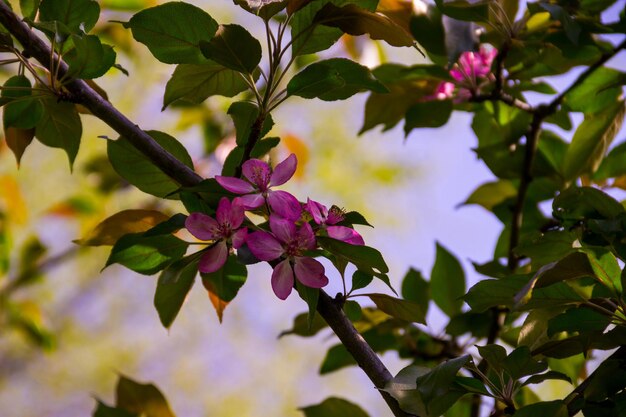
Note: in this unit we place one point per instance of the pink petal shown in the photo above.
(284, 204)
(335, 215)
(223, 207)
(282, 279)
(284, 171)
(264, 246)
(285, 230)
(306, 237)
(457, 73)
(310, 272)
(230, 215)
(234, 185)
(444, 90)
(214, 259)
(257, 172)
(239, 237)
(202, 226)
(345, 234)
(317, 210)
(252, 201)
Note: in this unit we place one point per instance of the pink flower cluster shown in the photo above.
(470, 74)
(290, 236)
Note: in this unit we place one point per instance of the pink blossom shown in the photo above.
(257, 191)
(224, 230)
(328, 218)
(290, 242)
(470, 74)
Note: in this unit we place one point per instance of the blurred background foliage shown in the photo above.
(67, 330)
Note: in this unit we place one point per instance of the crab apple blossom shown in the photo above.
(225, 229)
(327, 219)
(288, 241)
(469, 74)
(257, 191)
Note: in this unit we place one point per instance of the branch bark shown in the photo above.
(82, 93)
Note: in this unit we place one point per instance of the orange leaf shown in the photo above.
(297, 146)
(13, 199)
(119, 224)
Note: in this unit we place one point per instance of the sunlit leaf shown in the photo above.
(127, 221)
(334, 407)
(491, 194)
(399, 308)
(142, 399)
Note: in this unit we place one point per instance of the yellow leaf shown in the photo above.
(119, 224)
(218, 304)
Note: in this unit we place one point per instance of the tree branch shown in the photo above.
(365, 357)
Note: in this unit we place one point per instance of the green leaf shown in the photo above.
(555, 408)
(367, 259)
(490, 194)
(103, 410)
(29, 8)
(333, 79)
(308, 37)
(60, 126)
(114, 227)
(234, 48)
(494, 355)
(447, 282)
(173, 286)
(244, 115)
(578, 319)
(302, 328)
(612, 165)
(140, 171)
(173, 31)
(355, 20)
(310, 297)
(76, 15)
(22, 110)
(596, 92)
(142, 399)
(605, 267)
(427, 29)
(334, 407)
(223, 285)
(361, 280)
(550, 375)
(89, 58)
(415, 288)
(195, 83)
(570, 26)
(147, 254)
(262, 147)
(353, 310)
(591, 141)
(582, 203)
(520, 363)
(427, 114)
(464, 10)
(399, 308)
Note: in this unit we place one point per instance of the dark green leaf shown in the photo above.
(427, 28)
(334, 407)
(18, 140)
(195, 83)
(520, 363)
(353, 310)
(29, 8)
(76, 15)
(447, 282)
(172, 287)
(491, 194)
(333, 79)
(307, 36)
(173, 31)
(234, 48)
(310, 296)
(578, 319)
(22, 110)
(262, 147)
(538, 379)
(244, 116)
(548, 408)
(301, 326)
(464, 10)
(427, 114)
(60, 126)
(142, 399)
(103, 410)
(147, 255)
(399, 308)
(570, 26)
(361, 256)
(415, 288)
(140, 171)
(494, 355)
(579, 203)
(223, 285)
(360, 280)
(89, 58)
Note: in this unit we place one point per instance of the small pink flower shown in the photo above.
(257, 189)
(328, 218)
(291, 242)
(224, 229)
(470, 74)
